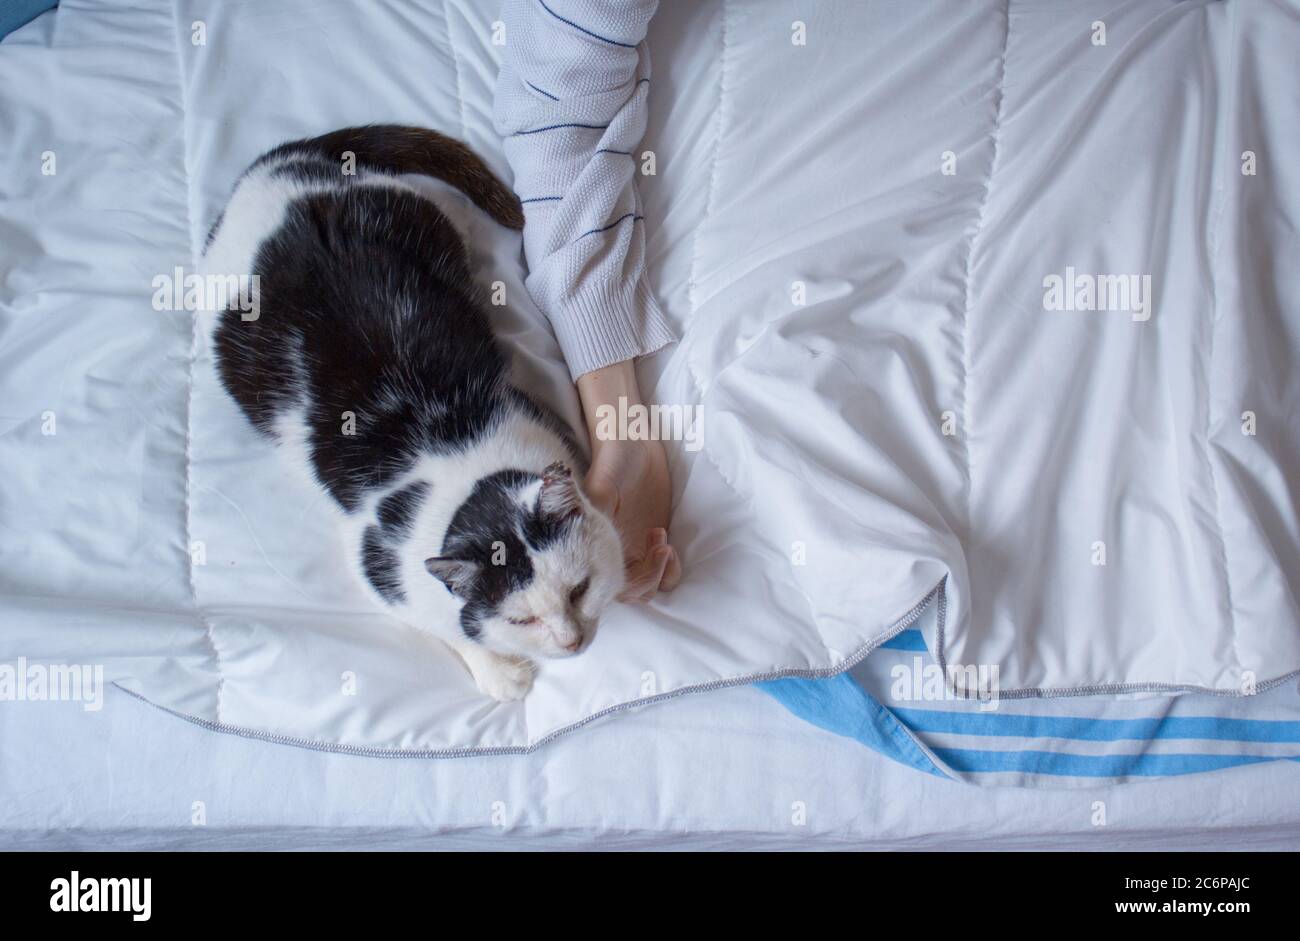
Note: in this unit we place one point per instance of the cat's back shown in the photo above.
(363, 283)
(370, 344)
(341, 162)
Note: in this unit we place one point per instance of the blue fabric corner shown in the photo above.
(15, 13)
(838, 704)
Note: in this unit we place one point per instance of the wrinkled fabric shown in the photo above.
(889, 405)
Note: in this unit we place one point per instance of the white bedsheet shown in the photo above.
(843, 304)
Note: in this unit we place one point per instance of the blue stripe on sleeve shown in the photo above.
(606, 228)
(584, 30)
(552, 127)
(541, 91)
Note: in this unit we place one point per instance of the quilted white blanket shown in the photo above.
(990, 306)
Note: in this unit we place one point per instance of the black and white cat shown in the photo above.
(371, 361)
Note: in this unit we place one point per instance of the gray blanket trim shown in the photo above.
(936, 595)
(1098, 689)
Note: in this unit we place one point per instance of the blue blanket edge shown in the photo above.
(838, 704)
(16, 13)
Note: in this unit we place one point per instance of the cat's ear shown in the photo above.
(456, 574)
(559, 497)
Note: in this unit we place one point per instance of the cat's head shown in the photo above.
(534, 562)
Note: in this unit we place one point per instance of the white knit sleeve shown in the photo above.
(571, 107)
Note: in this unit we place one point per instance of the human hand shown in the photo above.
(629, 481)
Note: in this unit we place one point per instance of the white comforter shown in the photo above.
(889, 405)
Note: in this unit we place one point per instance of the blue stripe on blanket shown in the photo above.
(1091, 766)
(838, 704)
(15, 13)
(1080, 740)
(1213, 728)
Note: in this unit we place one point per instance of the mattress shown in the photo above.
(677, 775)
(897, 425)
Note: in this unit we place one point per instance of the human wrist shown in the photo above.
(606, 386)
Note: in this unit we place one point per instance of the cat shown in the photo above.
(456, 492)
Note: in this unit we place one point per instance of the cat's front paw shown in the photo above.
(505, 679)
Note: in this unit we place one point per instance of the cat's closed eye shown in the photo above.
(523, 622)
(579, 590)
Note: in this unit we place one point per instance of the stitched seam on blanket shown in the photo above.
(968, 299)
(189, 391)
(935, 596)
(455, 64)
(724, 63)
(724, 60)
(964, 432)
(1215, 233)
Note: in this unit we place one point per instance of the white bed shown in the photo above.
(150, 110)
(728, 771)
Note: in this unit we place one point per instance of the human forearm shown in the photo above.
(571, 105)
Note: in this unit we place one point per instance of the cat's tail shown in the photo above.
(398, 148)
